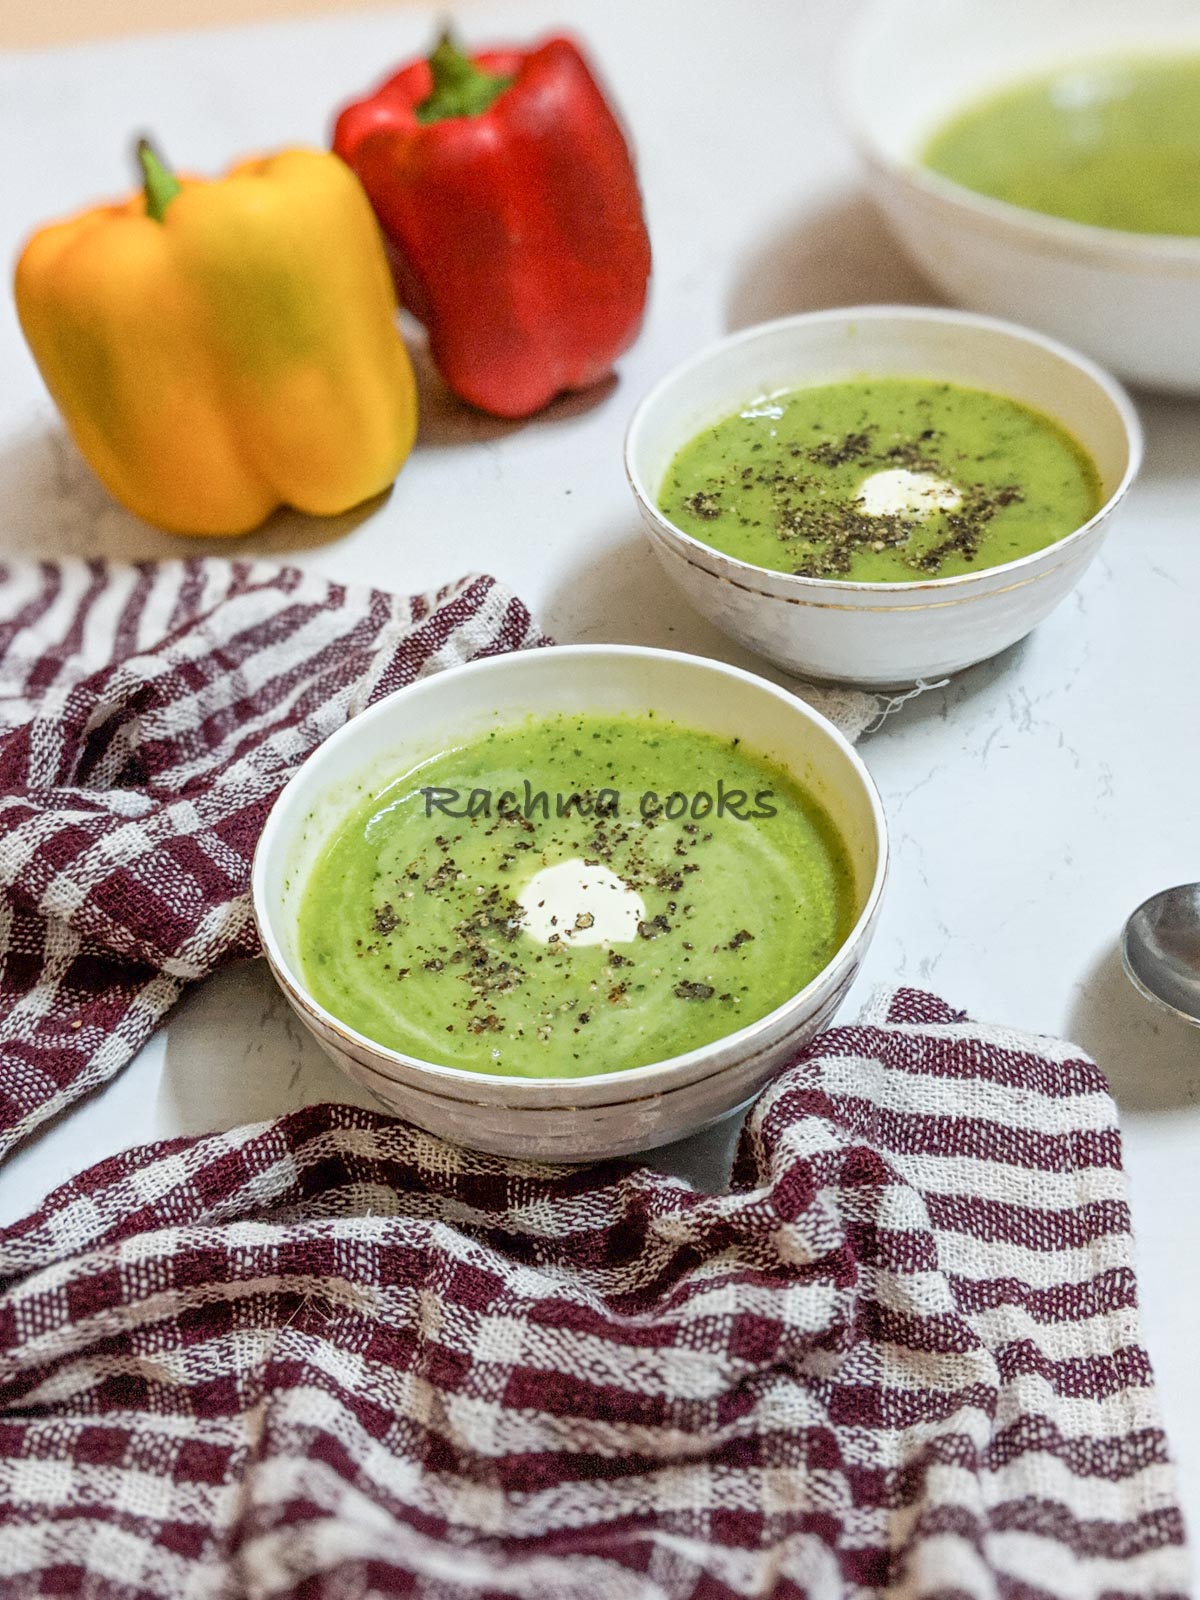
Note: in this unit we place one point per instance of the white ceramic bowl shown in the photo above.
(605, 1114)
(879, 635)
(1130, 300)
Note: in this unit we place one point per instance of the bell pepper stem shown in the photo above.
(460, 88)
(160, 183)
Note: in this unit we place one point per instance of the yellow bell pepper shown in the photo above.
(221, 348)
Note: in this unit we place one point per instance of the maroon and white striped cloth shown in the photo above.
(331, 1357)
(149, 715)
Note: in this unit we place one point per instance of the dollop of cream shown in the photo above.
(901, 493)
(580, 904)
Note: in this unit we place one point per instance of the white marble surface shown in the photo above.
(1033, 802)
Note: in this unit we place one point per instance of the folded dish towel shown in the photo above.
(149, 715)
(331, 1356)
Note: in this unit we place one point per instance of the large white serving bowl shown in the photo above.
(606, 1113)
(1130, 300)
(879, 635)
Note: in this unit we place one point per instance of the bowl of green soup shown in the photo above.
(1040, 159)
(883, 495)
(575, 902)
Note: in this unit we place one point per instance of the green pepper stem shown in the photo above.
(160, 183)
(460, 88)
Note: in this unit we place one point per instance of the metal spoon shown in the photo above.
(1161, 950)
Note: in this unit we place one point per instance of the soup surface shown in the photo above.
(1113, 143)
(689, 888)
(881, 480)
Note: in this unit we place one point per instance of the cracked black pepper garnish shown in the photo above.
(836, 452)
(781, 485)
(485, 1022)
(445, 874)
(706, 506)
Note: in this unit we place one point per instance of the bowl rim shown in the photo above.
(1055, 235)
(1109, 386)
(637, 1078)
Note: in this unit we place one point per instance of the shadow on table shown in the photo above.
(704, 1159)
(620, 595)
(1171, 423)
(838, 255)
(1151, 1058)
(448, 423)
(235, 1052)
(55, 506)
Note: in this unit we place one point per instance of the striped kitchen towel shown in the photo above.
(330, 1358)
(149, 715)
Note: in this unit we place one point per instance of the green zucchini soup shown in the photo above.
(574, 894)
(1113, 143)
(881, 480)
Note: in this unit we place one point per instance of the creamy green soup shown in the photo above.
(573, 895)
(1112, 143)
(881, 480)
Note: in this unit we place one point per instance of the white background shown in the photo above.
(1033, 803)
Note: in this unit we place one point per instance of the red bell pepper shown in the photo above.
(507, 194)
